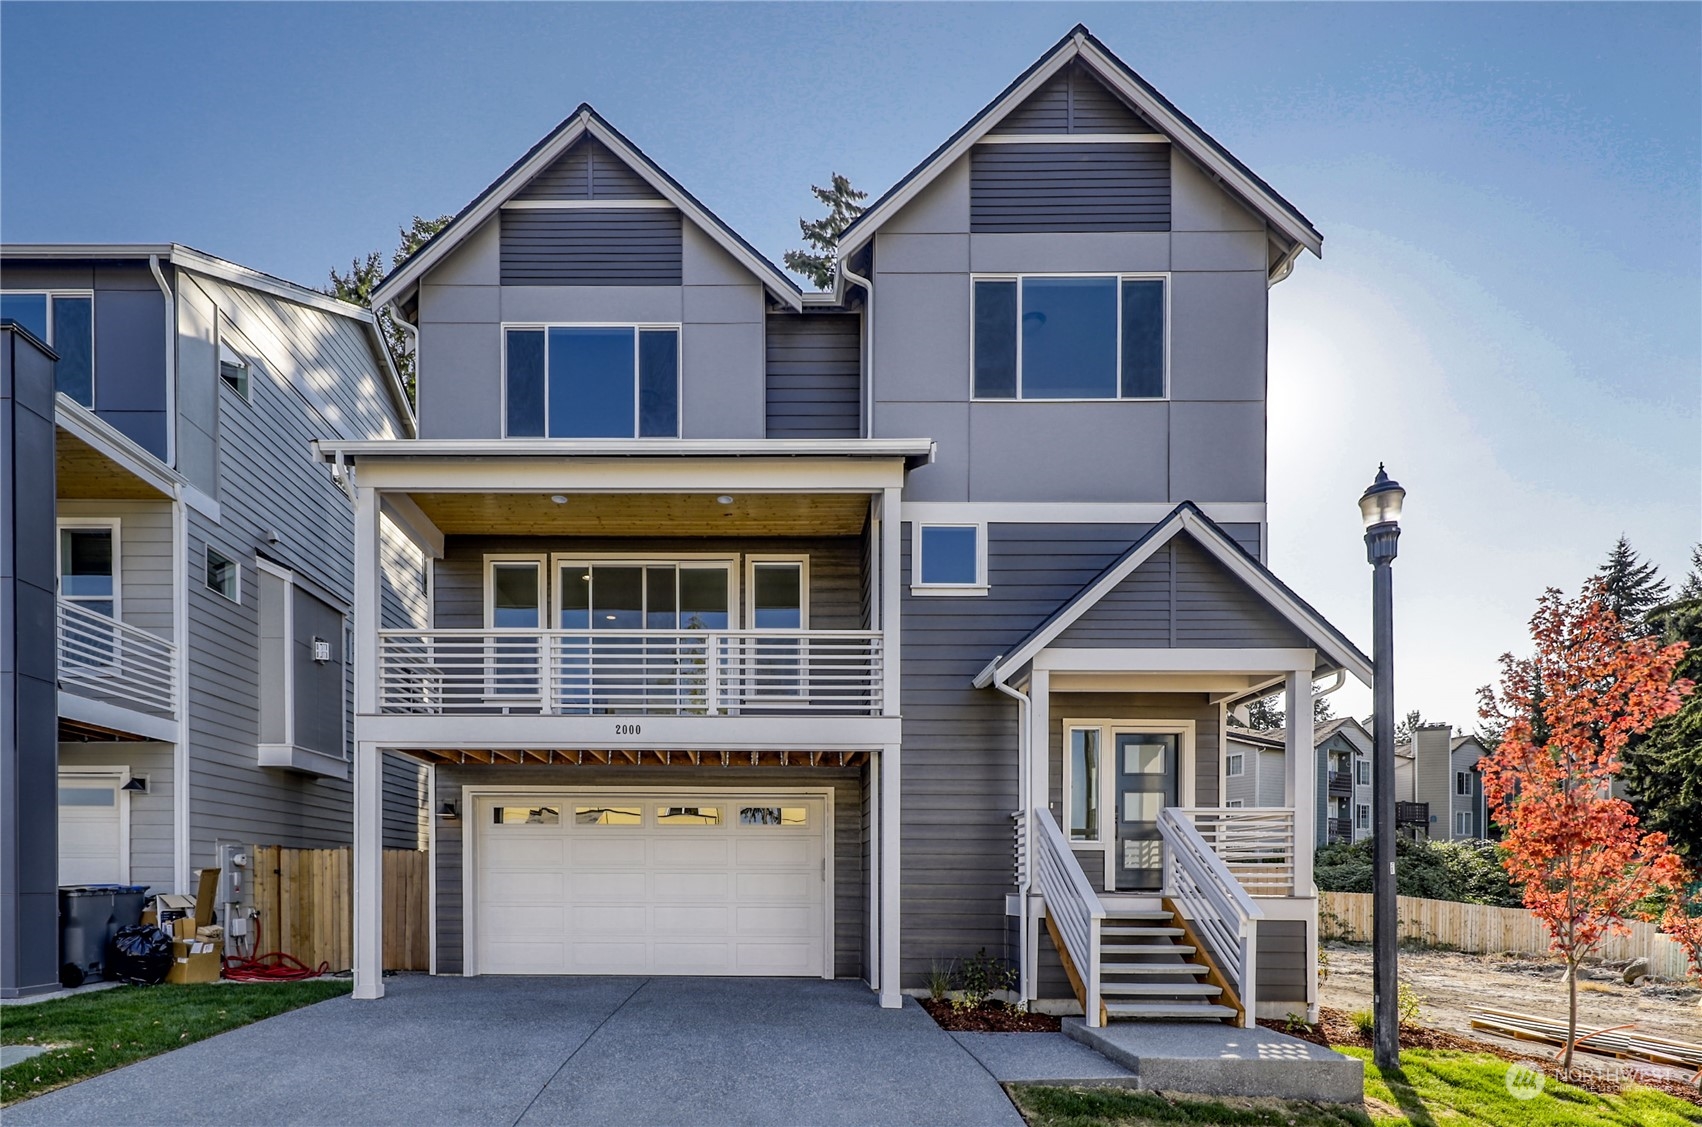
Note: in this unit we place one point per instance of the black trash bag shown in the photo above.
(140, 955)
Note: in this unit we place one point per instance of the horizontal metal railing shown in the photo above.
(1256, 843)
(635, 672)
(1071, 904)
(108, 660)
(1213, 898)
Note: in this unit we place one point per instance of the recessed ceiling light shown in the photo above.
(724, 500)
(559, 498)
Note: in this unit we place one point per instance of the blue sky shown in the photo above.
(1509, 307)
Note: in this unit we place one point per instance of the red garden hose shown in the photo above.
(274, 966)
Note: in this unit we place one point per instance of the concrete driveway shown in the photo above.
(647, 1051)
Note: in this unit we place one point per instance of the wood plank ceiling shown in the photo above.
(84, 473)
(646, 514)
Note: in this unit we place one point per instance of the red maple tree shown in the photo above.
(1683, 920)
(1568, 710)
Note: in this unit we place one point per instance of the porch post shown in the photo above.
(368, 766)
(1300, 775)
(892, 528)
(890, 967)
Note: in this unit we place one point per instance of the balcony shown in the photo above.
(630, 672)
(114, 665)
(1340, 782)
(1341, 829)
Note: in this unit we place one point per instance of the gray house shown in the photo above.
(1439, 770)
(196, 568)
(837, 634)
(1254, 774)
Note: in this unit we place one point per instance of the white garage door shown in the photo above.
(91, 845)
(691, 883)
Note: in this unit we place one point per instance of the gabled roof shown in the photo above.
(225, 270)
(1270, 739)
(583, 121)
(1186, 517)
(1080, 43)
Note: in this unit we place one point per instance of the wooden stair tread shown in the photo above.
(1153, 968)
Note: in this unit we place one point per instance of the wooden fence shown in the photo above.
(1485, 930)
(306, 910)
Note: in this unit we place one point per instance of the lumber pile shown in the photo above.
(1626, 1043)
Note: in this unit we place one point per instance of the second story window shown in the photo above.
(592, 381)
(1069, 338)
(65, 322)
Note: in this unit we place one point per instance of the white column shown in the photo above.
(369, 769)
(892, 527)
(1300, 775)
(891, 968)
(876, 883)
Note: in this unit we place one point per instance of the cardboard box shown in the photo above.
(207, 892)
(182, 928)
(193, 961)
(212, 933)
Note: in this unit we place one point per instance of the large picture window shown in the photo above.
(1096, 337)
(592, 381)
(65, 322)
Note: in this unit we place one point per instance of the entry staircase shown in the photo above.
(1190, 957)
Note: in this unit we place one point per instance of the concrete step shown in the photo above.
(1123, 930)
(1152, 968)
(1164, 1011)
(1146, 949)
(1162, 989)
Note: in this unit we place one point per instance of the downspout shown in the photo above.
(869, 352)
(180, 635)
(1024, 971)
(170, 360)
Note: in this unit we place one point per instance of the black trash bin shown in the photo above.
(85, 930)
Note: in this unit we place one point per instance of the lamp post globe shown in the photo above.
(1380, 510)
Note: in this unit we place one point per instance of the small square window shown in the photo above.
(233, 370)
(1362, 816)
(1235, 765)
(949, 555)
(224, 575)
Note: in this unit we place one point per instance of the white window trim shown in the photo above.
(637, 397)
(541, 560)
(1230, 762)
(206, 552)
(245, 354)
(1109, 730)
(803, 562)
(1121, 277)
(110, 524)
(1361, 771)
(979, 587)
(1465, 817)
(1361, 816)
(551, 591)
(50, 294)
(1234, 804)
(122, 775)
(1462, 785)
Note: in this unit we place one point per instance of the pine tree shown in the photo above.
(1632, 587)
(363, 277)
(1692, 587)
(844, 204)
(1663, 768)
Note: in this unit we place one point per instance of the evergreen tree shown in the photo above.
(1264, 716)
(1631, 587)
(1692, 587)
(1663, 768)
(363, 277)
(1410, 724)
(844, 204)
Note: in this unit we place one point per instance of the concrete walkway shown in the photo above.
(652, 1052)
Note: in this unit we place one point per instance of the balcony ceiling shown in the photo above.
(646, 514)
(732, 760)
(84, 473)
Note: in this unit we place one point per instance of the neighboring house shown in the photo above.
(770, 628)
(1440, 770)
(1254, 775)
(199, 562)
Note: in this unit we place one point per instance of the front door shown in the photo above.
(1144, 775)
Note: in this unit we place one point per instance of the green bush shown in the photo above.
(1469, 872)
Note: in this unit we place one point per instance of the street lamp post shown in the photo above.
(1380, 507)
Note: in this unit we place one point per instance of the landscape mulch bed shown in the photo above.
(1335, 1028)
(996, 1018)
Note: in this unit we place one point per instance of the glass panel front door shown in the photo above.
(1144, 773)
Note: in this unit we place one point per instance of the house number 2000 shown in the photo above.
(629, 729)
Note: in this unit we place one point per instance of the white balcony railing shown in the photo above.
(112, 661)
(632, 672)
(1202, 885)
(1257, 844)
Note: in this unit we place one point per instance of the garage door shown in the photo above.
(91, 845)
(689, 883)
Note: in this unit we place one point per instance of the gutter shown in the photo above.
(869, 351)
(1025, 972)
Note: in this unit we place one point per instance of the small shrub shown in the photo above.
(983, 975)
(1409, 1004)
(940, 979)
(1295, 1023)
(1365, 1021)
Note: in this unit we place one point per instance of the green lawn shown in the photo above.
(1435, 1088)
(106, 1029)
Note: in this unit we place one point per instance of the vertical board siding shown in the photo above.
(591, 247)
(850, 883)
(1073, 101)
(835, 570)
(588, 171)
(1050, 188)
(814, 376)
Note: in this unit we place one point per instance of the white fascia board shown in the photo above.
(413, 523)
(113, 444)
(398, 284)
(868, 448)
(1174, 660)
(632, 475)
(116, 717)
(1080, 512)
(201, 263)
(660, 733)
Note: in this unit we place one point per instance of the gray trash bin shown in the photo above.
(85, 929)
(127, 903)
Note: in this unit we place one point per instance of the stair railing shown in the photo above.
(1199, 882)
(1072, 906)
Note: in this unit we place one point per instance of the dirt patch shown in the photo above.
(994, 1018)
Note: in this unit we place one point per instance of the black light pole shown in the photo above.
(1380, 506)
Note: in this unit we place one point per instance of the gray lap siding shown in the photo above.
(850, 837)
